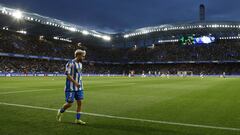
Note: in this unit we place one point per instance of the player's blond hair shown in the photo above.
(79, 51)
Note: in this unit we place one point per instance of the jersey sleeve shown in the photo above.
(68, 68)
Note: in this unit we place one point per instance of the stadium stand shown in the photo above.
(25, 44)
(32, 43)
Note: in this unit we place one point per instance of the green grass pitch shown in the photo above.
(138, 106)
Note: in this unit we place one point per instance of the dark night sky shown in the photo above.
(122, 15)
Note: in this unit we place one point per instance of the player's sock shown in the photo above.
(78, 115)
(62, 110)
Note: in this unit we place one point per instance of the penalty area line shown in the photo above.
(127, 118)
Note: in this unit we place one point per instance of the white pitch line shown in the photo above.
(119, 84)
(127, 118)
(25, 91)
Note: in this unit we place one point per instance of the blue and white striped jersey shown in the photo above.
(74, 69)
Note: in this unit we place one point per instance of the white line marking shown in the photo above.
(25, 91)
(119, 84)
(126, 118)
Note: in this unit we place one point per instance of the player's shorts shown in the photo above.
(71, 95)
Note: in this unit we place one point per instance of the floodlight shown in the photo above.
(84, 32)
(72, 29)
(107, 38)
(17, 14)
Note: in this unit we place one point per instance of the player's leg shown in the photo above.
(65, 107)
(69, 100)
(79, 107)
(79, 98)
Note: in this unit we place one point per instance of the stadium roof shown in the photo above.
(182, 27)
(26, 22)
(24, 18)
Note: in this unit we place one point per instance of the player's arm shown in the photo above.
(69, 77)
(69, 67)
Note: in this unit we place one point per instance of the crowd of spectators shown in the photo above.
(25, 44)
(31, 45)
(175, 52)
(24, 65)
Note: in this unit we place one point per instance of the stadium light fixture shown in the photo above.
(56, 38)
(22, 32)
(84, 32)
(96, 35)
(4, 11)
(72, 29)
(17, 14)
(107, 38)
(5, 28)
